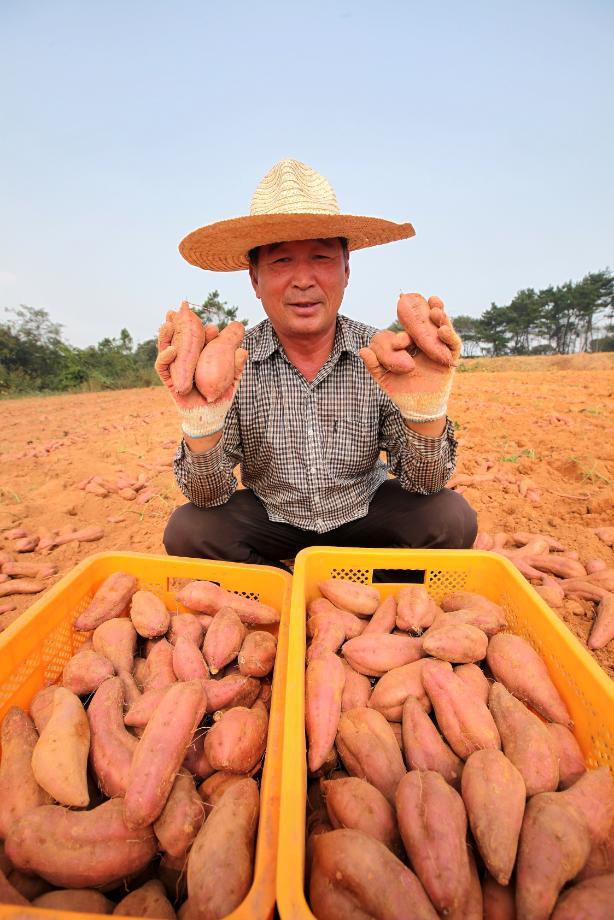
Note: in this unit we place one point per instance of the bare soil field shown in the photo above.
(537, 432)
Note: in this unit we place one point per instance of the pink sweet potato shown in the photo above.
(19, 790)
(149, 615)
(354, 876)
(357, 598)
(9, 894)
(526, 741)
(41, 706)
(423, 746)
(354, 803)
(369, 749)
(85, 671)
(589, 900)
(600, 860)
(324, 682)
(213, 788)
(416, 610)
(256, 656)
(79, 849)
(183, 330)
(498, 900)
(491, 786)
(188, 661)
(189, 625)
(231, 690)
(81, 900)
(373, 655)
(205, 597)
(473, 676)
(224, 639)
(328, 635)
(353, 625)
(160, 672)
(592, 795)
(115, 639)
(59, 758)
(391, 690)
(356, 690)
(149, 900)
(221, 861)
(237, 742)
(110, 600)
(571, 760)
(111, 745)
(433, 826)
(160, 752)
(459, 644)
(464, 720)
(554, 845)
(196, 761)
(215, 370)
(520, 669)
(181, 817)
(603, 628)
(384, 618)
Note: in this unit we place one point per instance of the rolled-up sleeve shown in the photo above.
(208, 479)
(421, 464)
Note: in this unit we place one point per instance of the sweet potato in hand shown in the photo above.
(183, 330)
(217, 364)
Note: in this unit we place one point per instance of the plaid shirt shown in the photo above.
(310, 451)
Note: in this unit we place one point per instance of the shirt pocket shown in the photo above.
(351, 448)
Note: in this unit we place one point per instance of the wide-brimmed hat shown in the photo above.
(292, 202)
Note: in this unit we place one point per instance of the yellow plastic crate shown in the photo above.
(34, 650)
(587, 690)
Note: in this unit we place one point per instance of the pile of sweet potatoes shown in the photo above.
(445, 779)
(131, 786)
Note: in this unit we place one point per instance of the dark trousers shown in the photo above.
(240, 530)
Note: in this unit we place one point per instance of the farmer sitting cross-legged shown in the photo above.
(311, 397)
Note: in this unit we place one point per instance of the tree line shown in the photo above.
(35, 358)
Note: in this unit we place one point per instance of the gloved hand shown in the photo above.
(415, 368)
(189, 355)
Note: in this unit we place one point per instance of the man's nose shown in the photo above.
(303, 275)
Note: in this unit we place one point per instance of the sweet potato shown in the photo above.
(473, 907)
(357, 598)
(491, 786)
(188, 661)
(36, 570)
(21, 586)
(589, 900)
(328, 636)
(183, 330)
(600, 860)
(603, 626)
(423, 746)
(79, 849)
(59, 758)
(149, 615)
(186, 624)
(571, 759)
(498, 900)
(256, 656)
(140, 712)
(213, 788)
(237, 742)
(482, 618)
(324, 682)
(354, 803)
(81, 900)
(353, 625)
(554, 845)
(110, 600)
(160, 752)
(469, 600)
(215, 369)
(416, 609)
(433, 827)
(30, 886)
(520, 669)
(231, 690)
(116, 640)
(384, 618)
(475, 679)
(526, 741)
(181, 816)
(205, 597)
(373, 655)
(464, 720)
(196, 761)
(19, 790)
(459, 644)
(391, 690)
(220, 864)
(592, 795)
(369, 749)
(224, 639)
(354, 876)
(85, 671)
(160, 672)
(356, 690)
(111, 745)
(149, 900)
(41, 706)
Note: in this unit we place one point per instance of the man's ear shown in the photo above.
(253, 277)
(347, 271)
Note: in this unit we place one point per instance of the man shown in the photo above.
(316, 397)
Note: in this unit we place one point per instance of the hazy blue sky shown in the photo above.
(125, 125)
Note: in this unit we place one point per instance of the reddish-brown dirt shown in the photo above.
(546, 420)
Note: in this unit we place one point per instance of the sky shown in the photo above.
(125, 125)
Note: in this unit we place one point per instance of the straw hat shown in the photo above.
(292, 202)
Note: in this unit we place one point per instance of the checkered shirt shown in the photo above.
(310, 451)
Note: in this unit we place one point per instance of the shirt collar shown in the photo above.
(267, 342)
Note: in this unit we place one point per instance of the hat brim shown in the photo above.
(223, 246)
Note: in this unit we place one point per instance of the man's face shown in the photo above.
(301, 285)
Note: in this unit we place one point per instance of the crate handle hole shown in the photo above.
(399, 576)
